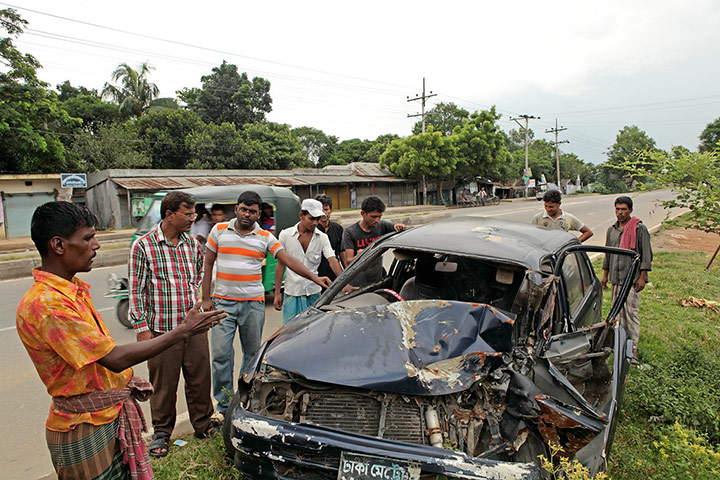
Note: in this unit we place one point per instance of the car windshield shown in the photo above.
(410, 274)
(151, 218)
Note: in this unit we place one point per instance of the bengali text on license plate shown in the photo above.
(367, 467)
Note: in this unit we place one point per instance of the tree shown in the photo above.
(268, 145)
(423, 156)
(66, 91)
(480, 144)
(710, 137)
(217, 147)
(163, 133)
(379, 145)
(31, 118)
(318, 145)
(93, 112)
(630, 144)
(227, 96)
(349, 151)
(135, 92)
(443, 117)
(516, 139)
(694, 177)
(109, 146)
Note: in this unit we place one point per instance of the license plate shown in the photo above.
(354, 466)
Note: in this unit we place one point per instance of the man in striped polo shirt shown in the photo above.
(240, 246)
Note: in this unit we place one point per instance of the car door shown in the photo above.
(582, 290)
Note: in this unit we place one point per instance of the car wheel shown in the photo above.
(227, 429)
(121, 312)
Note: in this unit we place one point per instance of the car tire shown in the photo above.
(121, 312)
(227, 429)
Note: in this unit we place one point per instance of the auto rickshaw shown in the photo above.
(285, 210)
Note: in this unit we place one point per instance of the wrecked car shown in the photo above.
(466, 347)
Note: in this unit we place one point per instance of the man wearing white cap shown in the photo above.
(308, 244)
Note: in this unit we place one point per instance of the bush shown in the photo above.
(685, 454)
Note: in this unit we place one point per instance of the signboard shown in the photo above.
(367, 467)
(140, 206)
(531, 183)
(76, 180)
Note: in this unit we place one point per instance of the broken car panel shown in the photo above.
(482, 344)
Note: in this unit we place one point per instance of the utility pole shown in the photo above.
(557, 130)
(527, 117)
(422, 99)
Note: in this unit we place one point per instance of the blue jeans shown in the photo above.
(248, 317)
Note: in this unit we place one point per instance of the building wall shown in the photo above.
(21, 195)
(104, 200)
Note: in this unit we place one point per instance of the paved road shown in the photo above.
(25, 401)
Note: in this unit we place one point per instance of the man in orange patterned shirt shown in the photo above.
(89, 376)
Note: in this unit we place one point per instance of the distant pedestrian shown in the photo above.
(628, 232)
(217, 214)
(362, 234)
(94, 427)
(239, 247)
(334, 232)
(555, 218)
(202, 224)
(483, 196)
(165, 272)
(308, 244)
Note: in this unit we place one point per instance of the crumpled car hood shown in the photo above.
(422, 347)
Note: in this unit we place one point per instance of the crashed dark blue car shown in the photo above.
(466, 348)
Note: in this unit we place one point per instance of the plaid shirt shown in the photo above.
(164, 280)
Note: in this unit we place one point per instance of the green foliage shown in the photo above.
(93, 112)
(110, 146)
(349, 151)
(216, 147)
(379, 145)
(480, 144)
(32, 121)
(710, 137)
(204, 459)
(676, 389)
(318, 146)
(686, 454)
(162, 135)
(268, 145)
(443, 117)
(629, 142)
(66, 91)
(135, 92)
(560, 467)
(694, 177)
(227, 96)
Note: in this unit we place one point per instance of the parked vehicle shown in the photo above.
(478, 344)
(286, 207)
(544, 187)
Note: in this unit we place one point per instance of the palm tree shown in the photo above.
(135, 92)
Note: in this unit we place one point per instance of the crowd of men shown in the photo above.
(181, 285)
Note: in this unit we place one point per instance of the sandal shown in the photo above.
(160, 444)
(212, 428)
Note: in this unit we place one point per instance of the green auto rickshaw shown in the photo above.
(285, 210)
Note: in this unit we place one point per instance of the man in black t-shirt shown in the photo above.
(334, 232)
(362, 234)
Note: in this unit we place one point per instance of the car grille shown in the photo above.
(363, 414)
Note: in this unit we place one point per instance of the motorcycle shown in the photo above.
(119, 291)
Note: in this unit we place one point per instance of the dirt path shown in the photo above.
(676, 239)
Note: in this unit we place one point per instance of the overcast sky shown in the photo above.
(347, 68)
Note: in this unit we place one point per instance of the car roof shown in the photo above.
(230, 193)
(486, 237)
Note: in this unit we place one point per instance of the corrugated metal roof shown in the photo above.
(169, 183)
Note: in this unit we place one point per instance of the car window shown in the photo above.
(573, 282)
(585, 272)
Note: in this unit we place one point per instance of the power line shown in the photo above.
(557, 130)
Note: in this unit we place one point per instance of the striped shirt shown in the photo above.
(239, 260)
(164, 280)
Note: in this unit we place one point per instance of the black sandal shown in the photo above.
(160, 442)
(212, 428)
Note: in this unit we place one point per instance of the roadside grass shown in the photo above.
(669, 424)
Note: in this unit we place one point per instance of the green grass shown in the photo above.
(669, 426)
(670, 421)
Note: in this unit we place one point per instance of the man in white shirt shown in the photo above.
(308, 244)
(554, 218)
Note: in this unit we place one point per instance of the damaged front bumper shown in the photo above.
(276, 449)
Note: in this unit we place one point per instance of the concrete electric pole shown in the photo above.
(526, 173)
(422, 99)
(557, 130)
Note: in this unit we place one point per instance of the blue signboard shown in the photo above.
(77, 180)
